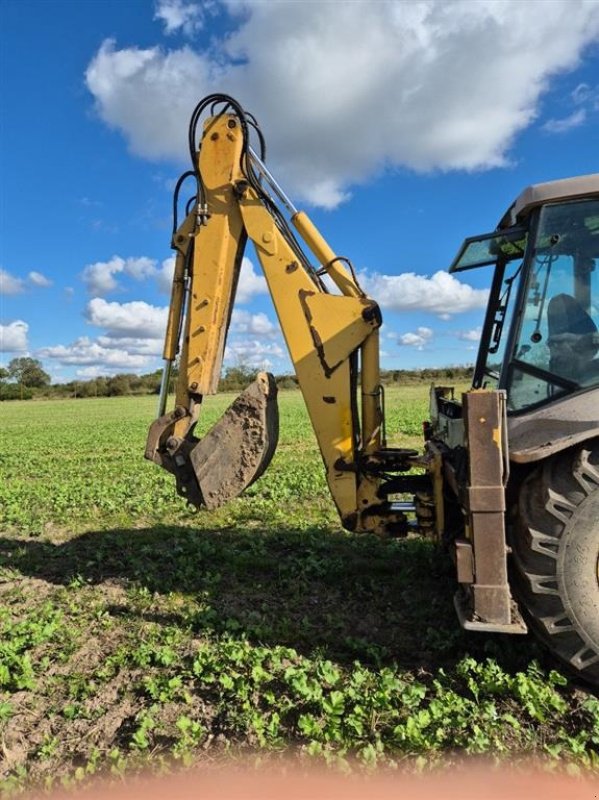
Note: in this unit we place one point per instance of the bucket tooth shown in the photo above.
(239, 447)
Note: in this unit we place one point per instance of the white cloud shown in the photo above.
(419, 340)
(441, 294)
(473, 335)
(250, 283)
(140, 268)
(100, 277)
(85, 352)
(9, 284)
(89, 372)
(253, 353)
(176, 15)
(13, 337)
(588, 96)
(574, 120)
(426, 84)
(165, 275)
(37, 279)
(259, 324)
(132, 344)
(136, 319)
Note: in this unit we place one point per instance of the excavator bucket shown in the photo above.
(233, 454)
(237, 450)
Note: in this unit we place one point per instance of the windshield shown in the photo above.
(490, 248)
(504, 249)
(557, 344)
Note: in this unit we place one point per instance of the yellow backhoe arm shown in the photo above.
(332, 340)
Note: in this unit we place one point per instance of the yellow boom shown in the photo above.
(332, 338)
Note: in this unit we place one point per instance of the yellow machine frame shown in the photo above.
(330, 337)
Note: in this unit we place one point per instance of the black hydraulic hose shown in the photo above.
(189, 174)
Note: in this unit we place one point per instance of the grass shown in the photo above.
(134, 631)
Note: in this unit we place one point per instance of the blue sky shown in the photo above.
(400, 127)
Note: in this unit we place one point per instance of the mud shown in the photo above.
(237, 450)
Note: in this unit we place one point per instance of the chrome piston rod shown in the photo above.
(164, 384)
(267, 175)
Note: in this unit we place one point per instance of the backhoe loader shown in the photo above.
(508, 477)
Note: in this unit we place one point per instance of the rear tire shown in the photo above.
(555, 545)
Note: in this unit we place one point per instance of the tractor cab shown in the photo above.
(540, 339)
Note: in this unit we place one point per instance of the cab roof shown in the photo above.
(565, 189)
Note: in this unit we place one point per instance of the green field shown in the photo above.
(135, 630)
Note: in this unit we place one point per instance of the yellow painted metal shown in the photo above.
(371, 407)
(336, 325)
(325, 255)
(322, 331)
(302, 314)
(181, 242)
(372, 416)
(433, 463)
(217, 251)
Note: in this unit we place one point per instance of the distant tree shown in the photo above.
(119, 385)
(14, 391)
(28, 373)
(86, 388)
(237, 378)
(4, 375)
(101, 386)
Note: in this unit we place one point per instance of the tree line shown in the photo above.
(24, 379)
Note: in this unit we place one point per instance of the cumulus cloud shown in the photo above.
(419, 339)
(441, 294)
(250, 283)
(85, 352)
(132, 339)
(136, 319)
(259, 324)
(133, 332)
(100, 277)
(89, 372)
(37, 279)
(472, 335)
(13, 337)
(178, 15)
(9, 284)
(135, 345)
(165, 275)
(254, 353)
(346, 89)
